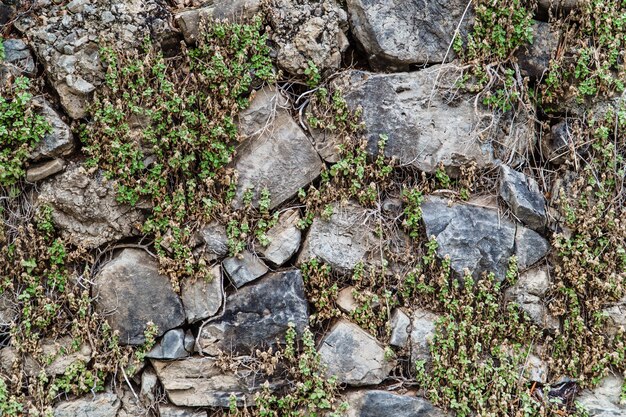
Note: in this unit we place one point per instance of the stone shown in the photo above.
(203, 298)
(85, 209)
(534, 58)
(18, 59)
(478, 239)
(376, 403)
(258, 314)
(149, 381)
(554, 6)
(200, 382)
(557, 145)
(44, 170)
(8, 311)
(347, 303)
(131, 404)
(262, 111)
(75, 105)
(130, 292)
(342, 241)
(616, 314)
(400, 325)
(423, 325)
(215, 239)
(529, 291)
(78, 85)
(62, 355)
(98, 405)
(308, 31)
(530, 247)
(175, 344)
(281, 159)
(244, 268)
(284, 238)
(522, 195)
(172, 411)
(354, 356)
(604, 400)
(424, 126)
(395, 34)
(59, 142)
(536, 369)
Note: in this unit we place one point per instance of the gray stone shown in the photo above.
(342, 241)
(215, 239)
(424, 126)
(62, 354)
(261, 112)
(44, 170)
(354, 356)
(200, 382)
(244, 268)
(479, 239)
(281, 159)
(59, 142)
(284, 238)
(85, 209)
(604, 400)
(534, 58)
(149, 381)
(130, 293)
(203, 298)
(529, 291)
(523, 196)
(76, 6)
(174, 344)
(397, 33)
(400, 327)
(558, 144)
(555, 5)
(98, 405)
(172, 411)
(79, 85)
(258, 314)
(423, 325)
(17, 58)
(382, 403)
(616, 314)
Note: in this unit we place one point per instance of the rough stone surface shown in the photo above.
(354, 356)
(99, 405)
(342, 241)
(59, 142)
(44, 170)
(557, 145)
(149, 381)
(258, 314)
(215, 239)
(617, 316)
(479, 239)
(308, 31)
(171, 411)
(130, 292)
(8, 312)
(422, 332)
(522, 195)
(397, 33)
(604, 400)
(244, 268)
(284, 239)
(199, 382)
(529, 291)
(17, 59)
(174, 344)
(85, 209)
(280, 159)
(382, 403)
(400, 327)
(202, 298)
(424, 127)
(61, 361)
(534, 58)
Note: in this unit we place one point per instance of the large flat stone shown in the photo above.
(99, 405)
(376, 403)
(203, 298)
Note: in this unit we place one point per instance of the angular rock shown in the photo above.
(604, 400)
(59, 142)
(307, 31)
(8, 311)
(382, 403)
(479, 239)
(175, 344)
(98, 405)
(202, 298)
(44, 170)
(534, 58)
(85, 209)
(523, 196)
(395, 34)
(553, 6)
(281, 159)
(284, 238)
(172, 411)
(529, 291)
(347, 303)
(354, 356)
(342, 241)
(62, 355)
(400, 327)
(149, 381)
(423, 325)
(130, 292)
(17, 60)
(557, 145)
(244, 268)
(199, 382)
(536, 369)
(424, 127)
(215, 239)
(616, 314)
(258, 314)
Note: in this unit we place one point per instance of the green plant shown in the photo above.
(312, 74)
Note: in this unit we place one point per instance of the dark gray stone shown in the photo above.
(18, 56)
(175, 344)
(244, 268)
(530, 247)
(98, 405)
(130, 292)
(523, 196)
(382, 403)
(534, 58)
(258, 314)
(215, 239)
(59, 142)
(203, 298)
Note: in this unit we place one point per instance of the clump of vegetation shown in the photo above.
(164, 130)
